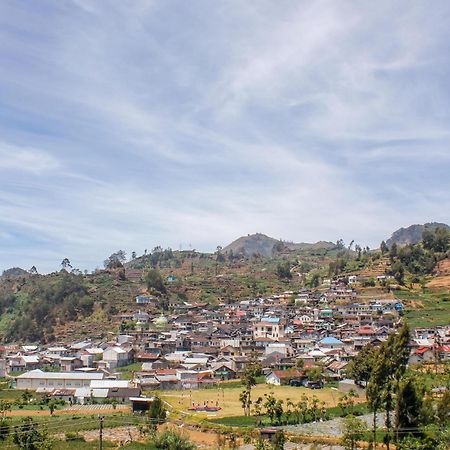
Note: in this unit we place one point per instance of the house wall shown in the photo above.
(45, 383)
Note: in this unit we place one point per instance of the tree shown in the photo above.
(52, 405)
(408, 408)
(360, 368)
(398, 272)
(393, 250)
(354, 430)
(284, 270)
(26, 396)
(28, 436)
(156, 415)
(443, 409)
(274, 408)
(116, 260)
(33, 271)
(340, 244)
(249, 380)
(437, 240)
(384, 383)
(315, 373)
(5, 406)
(133, 255)
(65, 263)
(383, 247)
(314, 281)
(347, 403)
(154, 281)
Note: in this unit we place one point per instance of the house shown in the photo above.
(48, 381)
(116, 357)
(22, 363)
(268, 327)
(330, 342)
(144, 299)
(421, 354)
(280, 377)
(224, 371)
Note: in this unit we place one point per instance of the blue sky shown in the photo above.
(131, 124)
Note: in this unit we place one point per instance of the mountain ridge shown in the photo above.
(413, 233)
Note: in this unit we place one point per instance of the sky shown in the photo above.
(186, 124)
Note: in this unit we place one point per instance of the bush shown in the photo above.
(73, 436)
(171, 440)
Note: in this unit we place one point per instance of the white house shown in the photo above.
(268, 327)
(116, 357)
(48, 381)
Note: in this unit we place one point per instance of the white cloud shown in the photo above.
(27, 159)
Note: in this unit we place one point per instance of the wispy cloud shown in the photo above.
(132, 124)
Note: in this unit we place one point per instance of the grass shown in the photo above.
(66, 423)
(228, 399)
(126, 372)
(427, 308)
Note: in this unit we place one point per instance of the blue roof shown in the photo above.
(270, 319)
(330, 340)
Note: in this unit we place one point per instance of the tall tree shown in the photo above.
(115, 260)
(65, 263)
(154, 281)
(408, 408)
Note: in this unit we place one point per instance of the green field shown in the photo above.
(427, 308)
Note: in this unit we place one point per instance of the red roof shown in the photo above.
(287, 373)
(166, 372)
(422, 350)
(366, 330)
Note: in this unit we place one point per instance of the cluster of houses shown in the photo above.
(196, 345)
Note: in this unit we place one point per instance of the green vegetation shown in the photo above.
(126, 372)
(61, 298)
(408, 408)
(430, 308)
(289, 416)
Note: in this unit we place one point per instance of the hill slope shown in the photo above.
(413, 233)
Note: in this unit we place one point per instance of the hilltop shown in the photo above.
(413, 233)
(261, 245)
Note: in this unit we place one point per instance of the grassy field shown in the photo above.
(228, 399)
(427, 308)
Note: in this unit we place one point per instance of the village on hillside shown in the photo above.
(305, 338)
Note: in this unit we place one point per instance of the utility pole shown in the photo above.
(100, 434)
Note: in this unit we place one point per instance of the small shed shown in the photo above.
(140, 404)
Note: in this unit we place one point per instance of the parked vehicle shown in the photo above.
(314, 384)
